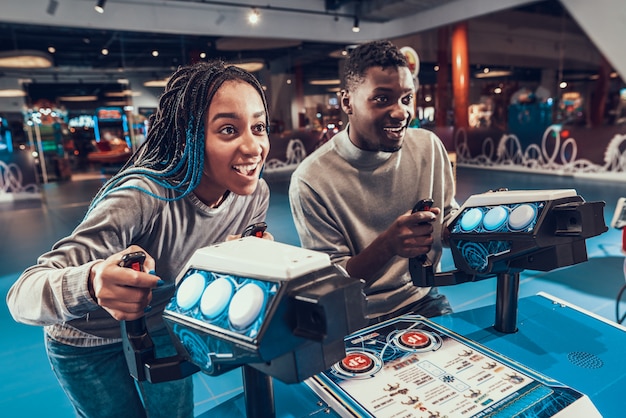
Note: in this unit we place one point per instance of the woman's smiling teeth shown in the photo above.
(247, 169)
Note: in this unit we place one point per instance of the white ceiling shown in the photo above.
(304, 19)
(319, 21)
(306, 32)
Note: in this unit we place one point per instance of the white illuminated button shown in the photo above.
(246, 306)
(190, 291)
(522, 216)
(471, 219)
(216, 297)
(495, 218)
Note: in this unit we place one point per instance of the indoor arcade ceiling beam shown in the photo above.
(193, 17)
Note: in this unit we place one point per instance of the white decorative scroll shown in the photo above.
(296, 152)
(11, 187)
(554, 155)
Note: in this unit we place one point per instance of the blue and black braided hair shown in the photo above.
(173, 154)
(381, 53)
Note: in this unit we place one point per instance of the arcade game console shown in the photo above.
(285, 313)
(501, 233)
(272, 309)
(414, 367)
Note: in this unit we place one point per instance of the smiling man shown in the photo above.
(353, 197)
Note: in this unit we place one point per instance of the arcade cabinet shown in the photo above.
(272, 309)
(286, 313)
(487, 362)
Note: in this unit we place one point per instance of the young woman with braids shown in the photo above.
(194, 182)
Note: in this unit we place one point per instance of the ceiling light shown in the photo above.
(250, 66)
(155, 53)
(254, 16)
(332, 82)
(100, 6)
(77, 98)
(124, 93)
(12, 93)
(25, 59)
(493, 74)
(156, 83)
(52, 7)
(355, 27)
(105, 51)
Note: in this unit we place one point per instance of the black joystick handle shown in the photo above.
(422, 205)
(135, 261)
(138, 346)
(254, 230)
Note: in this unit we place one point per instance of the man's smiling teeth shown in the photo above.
(398, 129)
(246, 169)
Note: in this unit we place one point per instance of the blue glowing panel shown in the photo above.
(476, 254)
(508, 218)
(236, 305)
(495, 218)
(471, 219)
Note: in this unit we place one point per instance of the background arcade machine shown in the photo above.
(275, 310)
(113, 142)
(555, 361)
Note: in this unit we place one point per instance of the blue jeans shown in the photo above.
(99, 385)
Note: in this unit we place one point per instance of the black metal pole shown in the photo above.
(258, 393)
(506, 302)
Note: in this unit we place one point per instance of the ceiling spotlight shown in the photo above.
(254, 16)
(355, 27)
(52, 7)
(100, 6)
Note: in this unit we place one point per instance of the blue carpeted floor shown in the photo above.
(28, 228)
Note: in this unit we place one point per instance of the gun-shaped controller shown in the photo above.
(139, 349)
(504, 232)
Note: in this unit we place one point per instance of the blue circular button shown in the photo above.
(246, 306)
(471, 219)
(190, 291)
(522, 216)
(216, 297)
(495, 218)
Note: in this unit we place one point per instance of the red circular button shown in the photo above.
(357, 363)
(415, 339)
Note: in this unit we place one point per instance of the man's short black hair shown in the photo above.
(372, 54)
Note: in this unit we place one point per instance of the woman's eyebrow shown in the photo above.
(231, 115)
